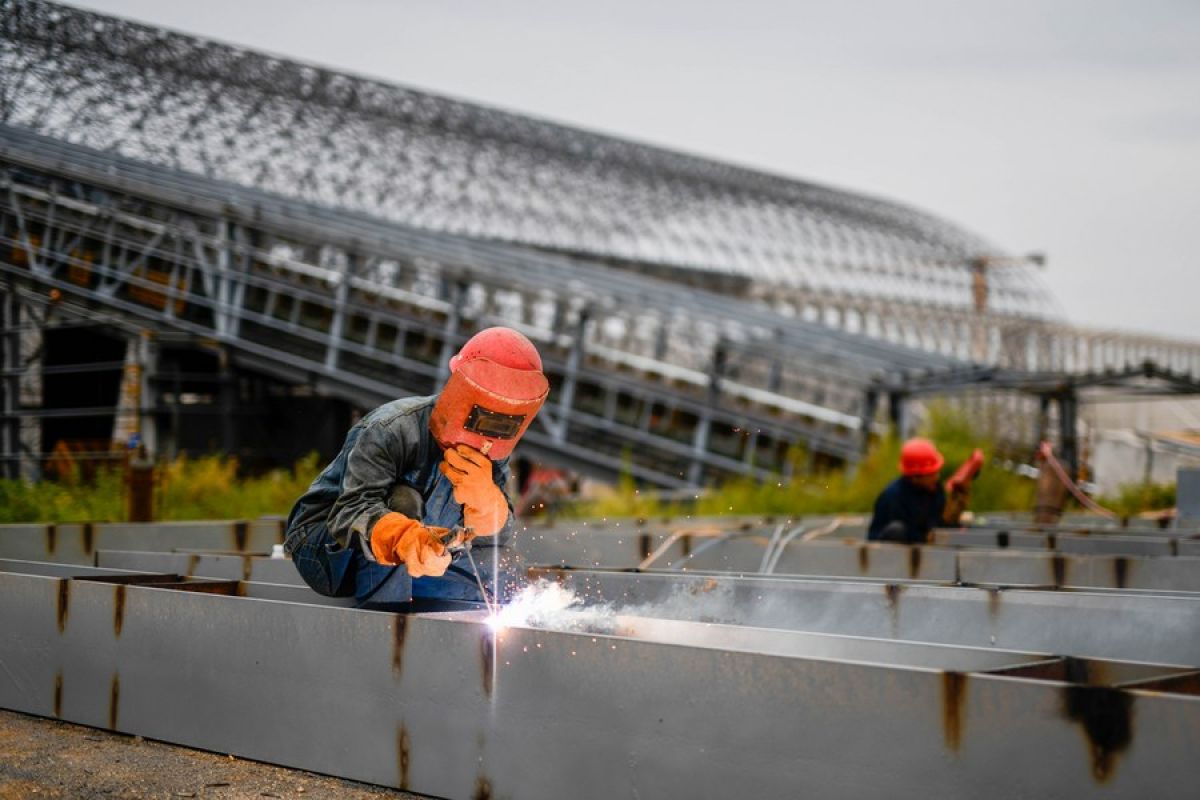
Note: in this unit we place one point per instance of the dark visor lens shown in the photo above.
(493, 425)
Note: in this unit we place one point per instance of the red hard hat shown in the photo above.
(496, 386)
(920, 457)
(506, 347)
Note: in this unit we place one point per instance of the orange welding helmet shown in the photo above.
(920, 457)
(496, 386)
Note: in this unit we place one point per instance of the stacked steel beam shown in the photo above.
(659, 682)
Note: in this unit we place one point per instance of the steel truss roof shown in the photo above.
(397, 154)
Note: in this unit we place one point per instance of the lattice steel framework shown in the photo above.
(407, 156)
(689, 383)
(275, 207)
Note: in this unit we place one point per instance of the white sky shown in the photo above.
(1065, 126)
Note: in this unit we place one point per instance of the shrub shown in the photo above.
(186, 488)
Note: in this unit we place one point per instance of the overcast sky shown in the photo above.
(1065, 126)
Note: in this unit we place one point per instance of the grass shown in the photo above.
(187, 488)
(211, 488)
(1132, 499)
(835, 491)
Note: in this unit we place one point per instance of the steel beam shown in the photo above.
(1109, 625)
(443, 705)
(1098, 543)
(257, 569)
(77, 543)
(742, 551)
(1173, 574)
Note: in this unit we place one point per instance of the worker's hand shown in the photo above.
(484, 507)
(957, 500)
(396, 539)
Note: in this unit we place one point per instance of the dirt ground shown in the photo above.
(42, 758)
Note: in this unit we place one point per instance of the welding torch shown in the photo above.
(458, 540)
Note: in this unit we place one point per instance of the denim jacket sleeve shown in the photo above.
(373, 465)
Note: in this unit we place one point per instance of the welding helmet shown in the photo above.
(496, 386)
(920, 457)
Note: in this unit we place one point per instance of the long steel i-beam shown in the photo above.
(445, 705)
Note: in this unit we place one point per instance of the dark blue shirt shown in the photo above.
(904, 512)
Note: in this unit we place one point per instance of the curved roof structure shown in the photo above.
(401, 155)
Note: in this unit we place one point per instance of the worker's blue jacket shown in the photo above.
(329, 529)
(904, 512)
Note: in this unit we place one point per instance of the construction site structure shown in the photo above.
(206, 247)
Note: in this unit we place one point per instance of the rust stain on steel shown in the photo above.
(64, 602)
(1105, 715)
(58, 691)
(644, 544)
(914, 561)
(1120, 571)
(891, 592)
(247, 567)
(1058, 567)
(89, 537)
(1052, 541)
(118, 608)
(864, 558)
(993, 597)
(483, 789)
(241, 534)
(227, 588)
(281, 533)
(687, 544)
(1173, 543)
(193, 562)
(399, 632)
(954, 693)
(487, 659)
(1002, 539)
(114, 701)
(51, 538)
(403, 758)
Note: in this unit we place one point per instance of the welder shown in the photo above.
(916, 502)
(375, 523)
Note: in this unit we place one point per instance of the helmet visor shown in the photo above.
(493, 424)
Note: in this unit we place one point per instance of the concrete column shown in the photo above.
(898, 413)
(336, 328)
(9, 391)
(454, 292)
(1067, 423)
(227, 402)
(566, 393)
(30, 357)
(704, 423)
(147, 408)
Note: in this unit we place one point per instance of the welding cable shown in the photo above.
(770, 549)
(1091, 505)
(808, 535)
(715, 541)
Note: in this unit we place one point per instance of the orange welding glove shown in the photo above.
(396, 539)
(484, 507)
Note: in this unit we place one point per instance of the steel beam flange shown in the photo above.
(446, 706)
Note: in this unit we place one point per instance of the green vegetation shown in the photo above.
(839, 490)
(187, 488)
(1134, 498)
(210, 488)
